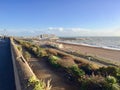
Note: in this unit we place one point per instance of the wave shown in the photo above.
(90, 45)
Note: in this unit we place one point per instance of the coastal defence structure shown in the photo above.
(14, 57)
(22, 71)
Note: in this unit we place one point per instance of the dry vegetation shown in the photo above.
(87, 75)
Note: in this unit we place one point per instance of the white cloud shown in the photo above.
(84, 32)
(56, 28)
(60, 31)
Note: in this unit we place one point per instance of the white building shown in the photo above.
(48, 37)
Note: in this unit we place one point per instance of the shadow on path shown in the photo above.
(6, 68)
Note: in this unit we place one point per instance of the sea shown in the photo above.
(102, 42)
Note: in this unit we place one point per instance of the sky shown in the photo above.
(60, 17)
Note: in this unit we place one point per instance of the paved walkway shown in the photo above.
(44, 72)
(6, 68)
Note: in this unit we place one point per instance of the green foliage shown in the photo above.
(115, 87)
(36, 84)
(107, 81)
(42, 53)
(36, 50)
(112, 71)
(98, 83)
(87, 68)
(19, 48)
(113, 82)
(76, 71)
(53, 61)
(26, 55)
(55, 58)
(111, 79)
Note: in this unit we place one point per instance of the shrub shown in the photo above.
(66, 62)
(36, 84)
(19, 48)
(111, 79)
(112, 71)
(113, 83)
(39, 84)
(115, 87)
(43, 53)
(76, 71)
(87, 68)
(53, 61)
(51, 52)
(34, 49)
(26, 55)
(98, 83)
(86, 62)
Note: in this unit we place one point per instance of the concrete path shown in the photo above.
(43, 71)
(6, 68)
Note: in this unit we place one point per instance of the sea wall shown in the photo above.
(22, 71)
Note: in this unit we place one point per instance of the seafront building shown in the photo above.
(48, 37)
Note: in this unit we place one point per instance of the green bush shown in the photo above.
(53, 61)
(26, 55)
(34, 49)
(112, 71)
(111, 79)
(42, 53)
(87, 68)
(113, 82)
(115, 87)
(76, 71)
(36, 84)
(98, 83)
(19, 48)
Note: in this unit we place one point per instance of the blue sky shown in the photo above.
(61, 17)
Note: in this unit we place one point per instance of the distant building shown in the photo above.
(48, 37)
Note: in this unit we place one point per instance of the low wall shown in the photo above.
(22, 71)
(17, 80)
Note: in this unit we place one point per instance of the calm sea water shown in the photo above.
(104, 42)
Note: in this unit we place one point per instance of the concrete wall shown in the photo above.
(17, 80)
(22, 70)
